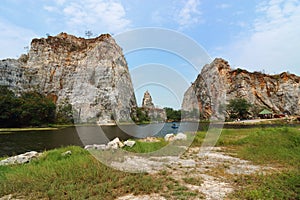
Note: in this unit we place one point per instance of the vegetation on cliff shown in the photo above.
(173, 115)
(28, 109)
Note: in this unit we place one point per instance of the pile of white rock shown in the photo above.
(172, 137)
(114, 144)
(20, 159)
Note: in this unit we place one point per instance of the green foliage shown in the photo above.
(64, 114)
(141, 116)
(238, 108)
(173, 115)
(30, 109)
(36, 109)
(9, 108)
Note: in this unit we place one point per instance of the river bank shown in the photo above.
(246, 163)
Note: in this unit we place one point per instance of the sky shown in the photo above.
(257, 35)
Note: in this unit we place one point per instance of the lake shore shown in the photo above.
(245, 163)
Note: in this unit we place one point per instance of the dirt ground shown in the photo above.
(214, 169)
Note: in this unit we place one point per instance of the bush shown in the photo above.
(30, 109)
(238, 108)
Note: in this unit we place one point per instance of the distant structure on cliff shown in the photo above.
(155, 114)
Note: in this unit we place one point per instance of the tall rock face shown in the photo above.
(147, 101)
(155, 114)
(90, 74)
(217, 84)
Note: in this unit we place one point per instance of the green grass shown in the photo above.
(77, 176)
(81, 176)
(193, 180)
(146, 147)
(271, 146)
(275, 147)
(283, 185)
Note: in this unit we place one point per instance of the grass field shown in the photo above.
(81, 176)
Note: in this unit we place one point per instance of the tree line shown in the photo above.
(29, 109)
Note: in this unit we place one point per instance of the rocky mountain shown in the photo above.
(218, 83)
(147, 100)
(154, 113)
(90, 74)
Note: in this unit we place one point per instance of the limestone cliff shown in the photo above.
(155, 114)
(218, 83)
(90, 74)
(147, 101)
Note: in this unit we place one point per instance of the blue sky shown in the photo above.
(258, 35)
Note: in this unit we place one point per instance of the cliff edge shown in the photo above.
(90, 74)
(217, 84)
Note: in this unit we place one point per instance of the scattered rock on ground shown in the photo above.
(206, 166)
(149, 139)
(20, 159)
(180, 136)
(114, 144)
(169, 137)
(67, 153)
(129, 143)
(142, 197)
(11, 197)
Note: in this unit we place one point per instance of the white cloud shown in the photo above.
(223, 6)
(273, 44)
(60, 2)
(190, 14)
(98, 15)
(13, 39)
(50, 8)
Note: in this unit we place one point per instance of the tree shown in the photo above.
(64, 114)
(142, 115)
(36, 109)
(173, 115)
(9, 108)
(238, 108)
(88, 33)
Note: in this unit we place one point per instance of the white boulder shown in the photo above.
(115, 144)
(129, 143)
(169, 137)
(67, 153)
(20, 159)
(180, 136)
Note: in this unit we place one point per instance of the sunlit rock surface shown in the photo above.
(90, 74)
(217, 84)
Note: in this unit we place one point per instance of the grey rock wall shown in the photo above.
(90, 74)
(217, 84)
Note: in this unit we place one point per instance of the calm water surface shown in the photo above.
(21, 142)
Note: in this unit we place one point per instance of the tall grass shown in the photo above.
(275, 147)
(78, 176)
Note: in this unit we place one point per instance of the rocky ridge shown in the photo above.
(218, 83)
(90, 74)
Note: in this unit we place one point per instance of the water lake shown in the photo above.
(14, 143)
(20, 142)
